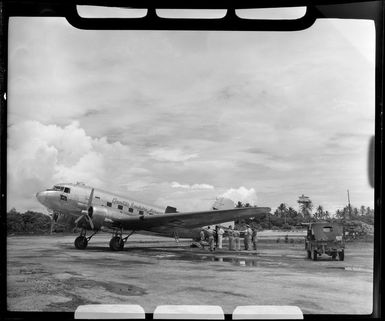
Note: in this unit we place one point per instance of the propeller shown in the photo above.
(86, 213)
(54, 217)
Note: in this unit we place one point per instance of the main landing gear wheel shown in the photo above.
(81, 242)
(341, 255)
(116, 243)
(314, 255)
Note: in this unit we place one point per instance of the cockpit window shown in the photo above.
(67, 190)
(58, 188)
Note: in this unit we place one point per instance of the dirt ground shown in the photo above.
(46, 273)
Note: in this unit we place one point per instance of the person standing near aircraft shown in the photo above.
(248, 237)
(216, 235)
(220, 236)
(254, 238)
(230, 233)
(203, 236)
(245, 239)
(237, 241)
(211, 238)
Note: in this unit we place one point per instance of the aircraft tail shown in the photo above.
(222, 203)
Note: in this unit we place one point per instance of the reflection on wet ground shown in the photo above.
(211, 258)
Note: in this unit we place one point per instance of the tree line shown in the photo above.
(286, 217)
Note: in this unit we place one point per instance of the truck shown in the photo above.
(325, 238)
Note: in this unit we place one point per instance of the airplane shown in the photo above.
(99, 210)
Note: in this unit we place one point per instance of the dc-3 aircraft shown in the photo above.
(98, 210)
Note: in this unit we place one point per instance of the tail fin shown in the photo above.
(222, 203)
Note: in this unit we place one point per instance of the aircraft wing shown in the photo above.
(191, 219)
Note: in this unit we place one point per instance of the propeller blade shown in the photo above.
(90, 199)
(85, 215)
(90, 221)
(78, 219)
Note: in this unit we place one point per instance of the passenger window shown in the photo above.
(109, 204)
(67, 190)
(120, 207)
(131, 210)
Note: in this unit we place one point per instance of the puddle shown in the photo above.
(162, 256)
(350, 268)
(209, 258)
(357, 268)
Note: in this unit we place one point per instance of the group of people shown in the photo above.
(214, 237)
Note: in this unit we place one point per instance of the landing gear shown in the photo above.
(341, 255)
(81, 241)
(117, 241)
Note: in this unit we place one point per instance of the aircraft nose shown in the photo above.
(41, 197)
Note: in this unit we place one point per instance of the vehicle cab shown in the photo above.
(325, 238)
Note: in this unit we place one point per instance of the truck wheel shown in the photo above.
(341, 255)
(308, 254)
(314, 255)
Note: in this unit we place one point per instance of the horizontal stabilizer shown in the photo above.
(170, 209)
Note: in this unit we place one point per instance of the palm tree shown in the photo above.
(319, 214)
(282, 210)
(306, 208)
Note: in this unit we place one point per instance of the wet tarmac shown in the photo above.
(46, 273)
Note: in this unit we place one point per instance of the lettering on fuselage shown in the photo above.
(135, 206)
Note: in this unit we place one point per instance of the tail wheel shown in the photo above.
(116, 243)
(341, 255)
(81, 242)
(314, 255)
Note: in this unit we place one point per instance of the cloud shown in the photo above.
(40, 155)
(194, 186)
(241, 194)
(149, 108)
(171, 155)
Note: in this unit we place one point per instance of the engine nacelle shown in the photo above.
(97, 215)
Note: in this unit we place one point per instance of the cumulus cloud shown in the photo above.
(171, 155)
(193, 186)
(241, 194)
(40, 155)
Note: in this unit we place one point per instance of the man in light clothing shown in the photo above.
(237, 240)
(220, 237)
(248, 237)
(203, 236)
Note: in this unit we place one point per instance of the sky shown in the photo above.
(181, 117)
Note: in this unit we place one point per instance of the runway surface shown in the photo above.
(46, 273)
